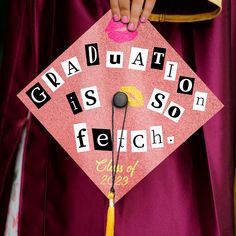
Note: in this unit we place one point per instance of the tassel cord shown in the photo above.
(110, 227)
(115, 165)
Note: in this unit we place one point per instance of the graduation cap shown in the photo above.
(119, 103)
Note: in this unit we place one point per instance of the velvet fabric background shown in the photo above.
(190, 193)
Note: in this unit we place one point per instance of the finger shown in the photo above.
(149, 5)
(124, 10)
(115, 9)
(136, 10)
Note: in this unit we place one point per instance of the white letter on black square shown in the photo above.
(158, 58)
(74, 103)
(185, 85)
(92, 55)
(102, 139)
(38, 95)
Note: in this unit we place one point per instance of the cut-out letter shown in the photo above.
(185, 85)
(74, 103)
(200, 100)
(81, 137)
(38, 95)
(114, 59)
(71, 66)
(53, 79)
(138, 58)
(174, 112)
(158, 58)
(139, 141)
(158, 100)
(90, 98)
(92, 55)
(102, 139)
(156, 136)
(122, 141)
(171, 70)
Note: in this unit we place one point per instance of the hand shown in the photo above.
(130, 11)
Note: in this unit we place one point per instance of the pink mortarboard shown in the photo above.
(115, 93)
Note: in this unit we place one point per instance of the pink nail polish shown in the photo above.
(131, 27)
(143, 19)
(124, 19)
(116, 18)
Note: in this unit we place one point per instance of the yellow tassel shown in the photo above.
(110, 229)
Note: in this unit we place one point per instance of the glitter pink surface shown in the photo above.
(58, 118)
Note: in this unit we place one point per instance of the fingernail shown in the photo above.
(131, 27)
(124, 19)
(143, 19)
(116, 18)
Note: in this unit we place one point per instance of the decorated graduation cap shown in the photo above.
(119, 103)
